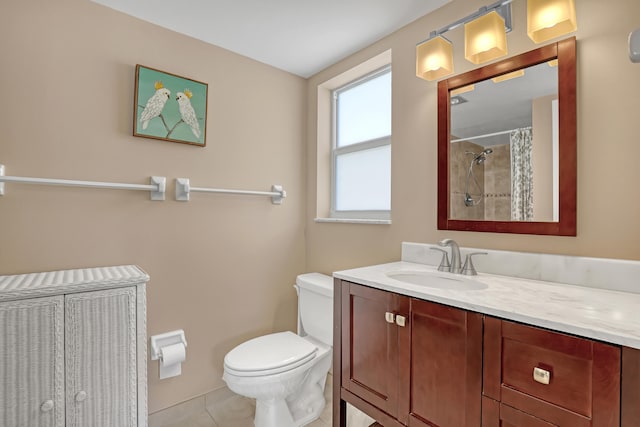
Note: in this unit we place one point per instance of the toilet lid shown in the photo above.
(266, 353)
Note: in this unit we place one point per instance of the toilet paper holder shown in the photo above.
(163, 340)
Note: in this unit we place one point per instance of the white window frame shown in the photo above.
(352, 148)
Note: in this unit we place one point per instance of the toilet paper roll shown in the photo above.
(172, 354)
(171, 358)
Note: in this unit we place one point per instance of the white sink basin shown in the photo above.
(437, 280)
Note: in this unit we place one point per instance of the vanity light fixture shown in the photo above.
(485, 38)
(434, 56)
(508, 76)
(547, 19)
(485, 34)
(463, 89)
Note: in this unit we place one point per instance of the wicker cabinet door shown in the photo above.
(100, 360)
(32, 363)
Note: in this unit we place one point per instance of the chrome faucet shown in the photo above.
(455, 254)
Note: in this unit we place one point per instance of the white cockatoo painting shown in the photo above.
(155, 104)
(187, 112)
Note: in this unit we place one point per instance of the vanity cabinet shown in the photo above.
(535, 377)
(73, 359)
(408, 361)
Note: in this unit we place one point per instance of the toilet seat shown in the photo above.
(269, 354)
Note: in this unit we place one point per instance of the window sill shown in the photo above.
(353, 221)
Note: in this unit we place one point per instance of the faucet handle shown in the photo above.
(468, 268)
(445, 265)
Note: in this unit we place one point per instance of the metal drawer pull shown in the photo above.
(400, 320)
(390, 317)
(541, 376)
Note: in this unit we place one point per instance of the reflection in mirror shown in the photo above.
(504, 147)
(507, 145)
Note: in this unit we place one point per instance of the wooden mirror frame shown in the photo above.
(565, 52)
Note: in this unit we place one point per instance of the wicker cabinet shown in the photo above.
(76, 359)
(100, 358)
(32, 363)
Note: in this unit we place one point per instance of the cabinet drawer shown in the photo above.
(496, 414)
(564, 362)
(562, 379)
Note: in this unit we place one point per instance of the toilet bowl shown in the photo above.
(286, 372)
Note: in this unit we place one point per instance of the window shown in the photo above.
(361, 148)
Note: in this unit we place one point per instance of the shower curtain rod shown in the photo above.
(156, 187)
(184, 188)
(488, 134)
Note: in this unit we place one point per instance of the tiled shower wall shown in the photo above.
(458, 168)
(497, 184)
(494, 177)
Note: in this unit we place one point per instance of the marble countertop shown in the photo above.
(605, 315)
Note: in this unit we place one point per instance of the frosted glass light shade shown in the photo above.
(463, 89)
(485, 38)
(508, 76)
(434, 59)
(547, 19)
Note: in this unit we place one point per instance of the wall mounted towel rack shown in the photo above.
(157, 186)
(184, 188)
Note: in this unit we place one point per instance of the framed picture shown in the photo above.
(169, 107)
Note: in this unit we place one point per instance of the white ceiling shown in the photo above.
(298, 36)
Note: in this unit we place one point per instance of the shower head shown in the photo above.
(480, 158)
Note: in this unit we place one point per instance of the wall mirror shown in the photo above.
(507, 145)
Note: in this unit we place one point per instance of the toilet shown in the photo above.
(286, 372)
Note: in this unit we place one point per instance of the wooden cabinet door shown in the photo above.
(32, 363)
(442, 383)
(100, 360)
(370, 345)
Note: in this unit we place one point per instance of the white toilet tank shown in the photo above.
(315, 306)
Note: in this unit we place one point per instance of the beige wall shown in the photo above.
(542, 157)
(221, 267)
(608, 148)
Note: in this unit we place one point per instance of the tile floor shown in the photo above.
(223, 408)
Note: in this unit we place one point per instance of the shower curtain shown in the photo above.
(521, 175)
